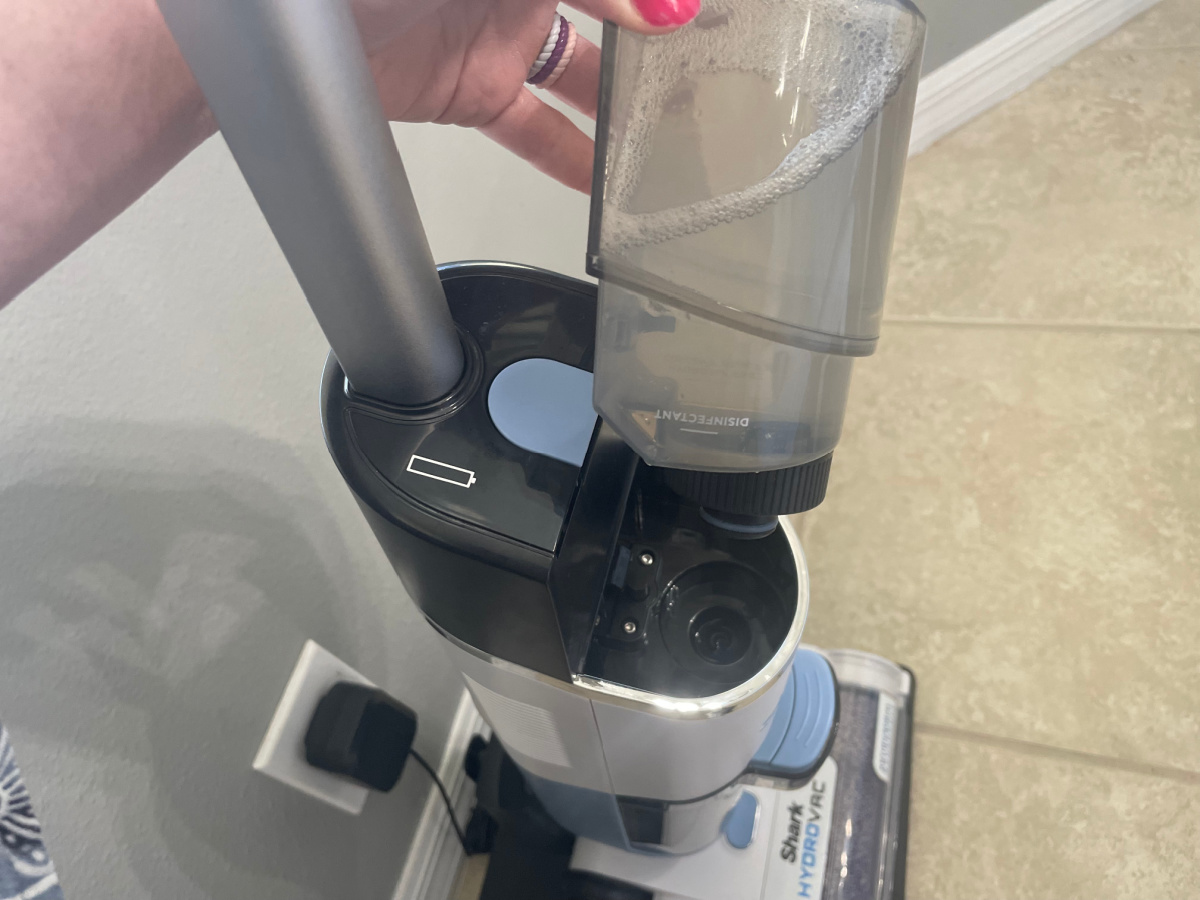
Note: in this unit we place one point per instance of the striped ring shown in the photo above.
(555, 56)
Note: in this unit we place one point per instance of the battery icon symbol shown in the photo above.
(440, 471)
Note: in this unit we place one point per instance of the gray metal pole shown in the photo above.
(289, 84)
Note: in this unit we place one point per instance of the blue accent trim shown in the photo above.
(813, 714)
(740, 822)
(583, 812)
(545, 407)
(780, 722)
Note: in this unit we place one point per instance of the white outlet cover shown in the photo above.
(281, 755)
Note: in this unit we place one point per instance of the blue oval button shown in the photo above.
(741, 821)
(545, 407)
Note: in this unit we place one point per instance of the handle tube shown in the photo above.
(290, 87)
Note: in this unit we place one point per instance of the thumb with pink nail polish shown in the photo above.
(667, 13)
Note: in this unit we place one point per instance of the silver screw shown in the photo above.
(647, 558)
(630, 626)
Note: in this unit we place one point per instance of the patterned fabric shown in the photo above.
(26, 872)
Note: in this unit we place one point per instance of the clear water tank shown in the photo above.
(748, 177)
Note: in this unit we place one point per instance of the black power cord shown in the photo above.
(362, 733)
(462, 838)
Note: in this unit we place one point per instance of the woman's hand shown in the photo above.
(464, 62)
(97, 104)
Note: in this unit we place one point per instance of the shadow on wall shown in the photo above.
(151, 608)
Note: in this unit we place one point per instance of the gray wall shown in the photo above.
(956, 26)
(172, 529)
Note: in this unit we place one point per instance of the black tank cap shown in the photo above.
(778, 493)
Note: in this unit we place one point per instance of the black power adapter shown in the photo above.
(365, 734)
(361, 733)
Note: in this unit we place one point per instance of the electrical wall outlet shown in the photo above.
(281, 755)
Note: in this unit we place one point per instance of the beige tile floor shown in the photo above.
(1015, 510)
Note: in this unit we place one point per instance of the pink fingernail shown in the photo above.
(664, 13)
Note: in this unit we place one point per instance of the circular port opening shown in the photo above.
(720, 635)
(722, 622)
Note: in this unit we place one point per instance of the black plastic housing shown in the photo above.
(522, 556)
(480, 562)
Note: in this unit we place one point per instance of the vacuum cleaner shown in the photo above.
(585, 487)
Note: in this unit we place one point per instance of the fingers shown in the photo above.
(546, 138)
(649, 16)
(579, 84)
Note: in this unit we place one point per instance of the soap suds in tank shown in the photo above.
(849, 58)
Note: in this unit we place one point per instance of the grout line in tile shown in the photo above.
(1029, 748)
(1145, 49)
(1043, 324)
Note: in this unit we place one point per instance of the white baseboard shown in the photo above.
(435, 856)
(1011, 60)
